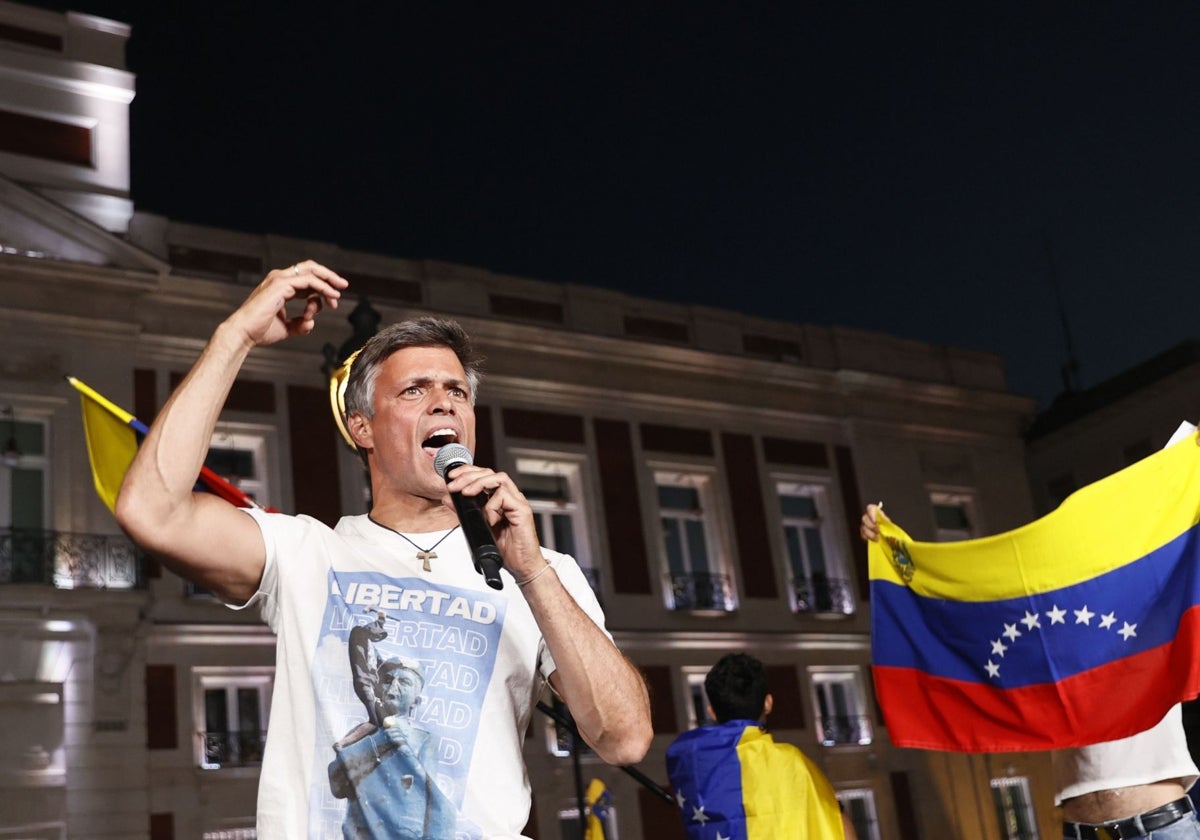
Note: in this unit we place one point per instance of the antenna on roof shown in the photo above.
(1070, 368)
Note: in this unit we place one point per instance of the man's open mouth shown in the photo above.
(439, 438)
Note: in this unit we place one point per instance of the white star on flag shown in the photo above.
(698, 815)
(1056, 615)
(1084, 616)
(1030, 620)
(1128, 630)
(1011, 631)
(993, 669)
(721, 836)
(998, 647)
(1107, 620)
(680, 799)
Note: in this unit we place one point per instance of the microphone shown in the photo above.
(470, 514)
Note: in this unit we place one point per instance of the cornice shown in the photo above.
(70, 325)
(631, 640)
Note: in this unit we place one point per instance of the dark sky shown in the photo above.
(868, 164)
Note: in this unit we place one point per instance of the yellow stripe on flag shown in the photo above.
(1097, 529)
(111, 442)
(784, 793)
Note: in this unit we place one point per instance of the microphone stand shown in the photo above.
(632, 772)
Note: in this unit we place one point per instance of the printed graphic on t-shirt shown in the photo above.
(401, 671)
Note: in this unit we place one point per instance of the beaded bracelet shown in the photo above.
(535, 575)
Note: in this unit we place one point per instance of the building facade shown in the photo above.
(706, 468)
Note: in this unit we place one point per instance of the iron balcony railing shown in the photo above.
(69, 561)
(836, 730)
(823, 595)
(233, 749)
(707, 591)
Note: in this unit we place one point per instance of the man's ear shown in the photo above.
(768, 705)
(360, 430)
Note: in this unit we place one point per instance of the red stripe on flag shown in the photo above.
(1115, 700)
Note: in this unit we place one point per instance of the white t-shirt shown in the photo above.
(1158, 754)
(481, 655)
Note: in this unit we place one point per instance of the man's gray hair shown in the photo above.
(427, 331)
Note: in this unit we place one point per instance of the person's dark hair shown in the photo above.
(736, 687)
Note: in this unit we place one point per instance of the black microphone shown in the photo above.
(470, 514)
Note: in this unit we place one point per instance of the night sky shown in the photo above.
(916, 171)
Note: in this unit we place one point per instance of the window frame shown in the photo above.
(207, 678)
(966, 498)
(858, 719)
(39, 462)
(714, 529)
(574, 468)
(821, 489)
(865, 795)
(261, 441)
(1006, 810)
(691, 678)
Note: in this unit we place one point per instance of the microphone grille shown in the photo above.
(450, 456)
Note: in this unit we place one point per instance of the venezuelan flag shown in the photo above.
(1078, 628)
(732, 781)
(113, 434)
(599, 801)
(112, 441)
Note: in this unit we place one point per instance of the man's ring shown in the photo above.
(296, 270)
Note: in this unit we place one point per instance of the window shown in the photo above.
(571, 829)
(818, 581)
(239, 454)
(24, 497)
(697, 712)
(554, 488)
(231, 834)
(231, 710)
(841, 708)
(859, 806)
(953, 515)
(696, 579)
(1014, 808)
(560, 739)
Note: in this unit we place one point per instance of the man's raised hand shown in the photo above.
(264, 318)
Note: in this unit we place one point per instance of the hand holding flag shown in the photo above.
(1015, 641)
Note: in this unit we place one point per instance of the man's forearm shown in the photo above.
(605, 693)
(157, 506)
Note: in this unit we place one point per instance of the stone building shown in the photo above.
(707, 468)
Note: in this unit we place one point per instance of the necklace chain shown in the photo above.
(423, 554)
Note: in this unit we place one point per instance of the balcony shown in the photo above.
(839, 730)
(66, 560)
(233, 749)
(820, 595)
(702, 592)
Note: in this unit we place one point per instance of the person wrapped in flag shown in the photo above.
(732, 780)
(1098, 593)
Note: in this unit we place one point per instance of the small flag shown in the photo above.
(599, 800)
(113, 435)
(1078, 628)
